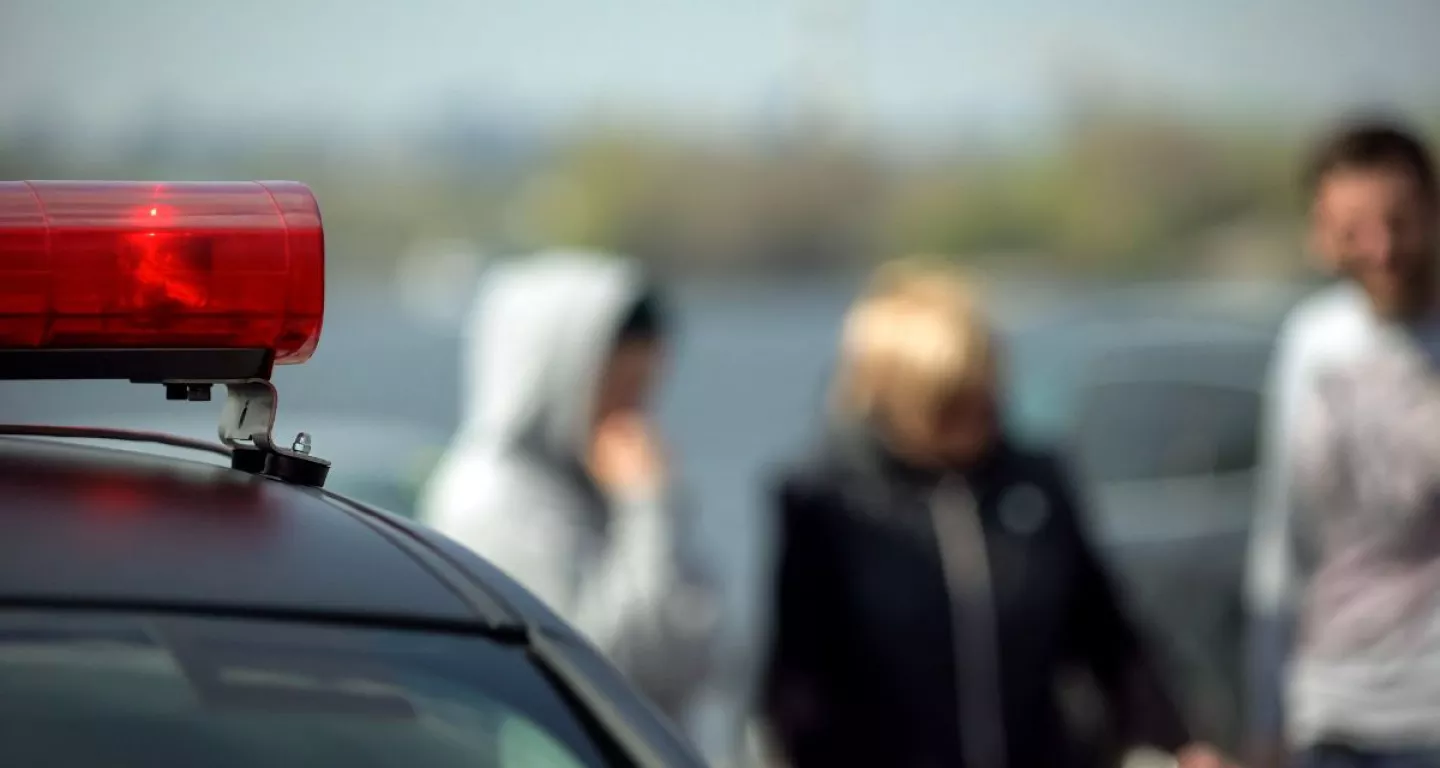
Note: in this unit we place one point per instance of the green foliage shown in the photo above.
(1114, 194)
(1117, 191)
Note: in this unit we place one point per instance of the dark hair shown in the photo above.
(646, 320)
(1373, 144)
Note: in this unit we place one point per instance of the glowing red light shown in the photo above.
(112, 499)
(141, 265)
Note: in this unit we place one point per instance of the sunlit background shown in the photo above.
(1124, 170)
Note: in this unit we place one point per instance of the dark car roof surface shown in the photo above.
(101, 525)
(100, 528)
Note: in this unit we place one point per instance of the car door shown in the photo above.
(1169, 462)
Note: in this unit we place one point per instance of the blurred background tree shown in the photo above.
(1120, 191)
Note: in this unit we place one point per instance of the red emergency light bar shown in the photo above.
(97, 265)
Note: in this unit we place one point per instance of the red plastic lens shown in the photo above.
(130, 265)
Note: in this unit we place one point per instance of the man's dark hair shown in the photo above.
(646, 320)
(1373, 144)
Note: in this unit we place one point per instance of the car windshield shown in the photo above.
(107, 689)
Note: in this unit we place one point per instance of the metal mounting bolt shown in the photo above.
(302, 443)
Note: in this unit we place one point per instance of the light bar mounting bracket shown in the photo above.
(247, 428)
(247, 422)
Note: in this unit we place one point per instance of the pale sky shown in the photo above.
(915, 64)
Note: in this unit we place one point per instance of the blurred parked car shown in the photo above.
(1157, 402)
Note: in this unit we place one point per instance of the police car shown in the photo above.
(227, 609)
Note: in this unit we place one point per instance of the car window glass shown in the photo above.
(523, 745)
(1040, 385)
(1158, 430)
(83, 690)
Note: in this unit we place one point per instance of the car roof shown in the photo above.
(352, 443)
(1130, 332)
(1237, 309)
(102, 526)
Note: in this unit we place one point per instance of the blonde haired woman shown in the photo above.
(934, 579)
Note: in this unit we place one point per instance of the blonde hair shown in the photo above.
(916, 337)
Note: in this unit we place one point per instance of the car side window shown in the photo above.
(1154, 430)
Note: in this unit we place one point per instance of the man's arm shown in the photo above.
(1272, 582)
(646, 597)
(636, 597)
(647, 603)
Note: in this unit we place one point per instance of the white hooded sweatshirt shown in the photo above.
(513, 486)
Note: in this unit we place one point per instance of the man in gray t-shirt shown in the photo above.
(1359, 684)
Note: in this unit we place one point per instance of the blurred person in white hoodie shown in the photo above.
(557, 476)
